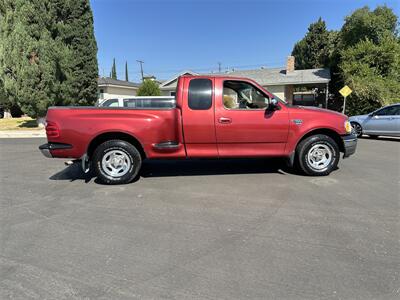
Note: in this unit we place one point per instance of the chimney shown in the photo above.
(290, 64)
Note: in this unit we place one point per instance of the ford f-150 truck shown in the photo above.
(213, 117)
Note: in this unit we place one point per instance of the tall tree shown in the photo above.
(114, 70)
(73, 29)
(149, 88)
(47, 54)
(126, 71)
(365, 24)
(370, 58)
(314, 49)
(364, 54)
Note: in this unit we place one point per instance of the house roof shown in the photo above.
(273, 76)
(172, 82)
(115, 82)
(278, 76)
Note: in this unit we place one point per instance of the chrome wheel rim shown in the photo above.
(116, 163)
(357, 129)
(319, 156)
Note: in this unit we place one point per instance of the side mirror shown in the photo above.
(273, 104)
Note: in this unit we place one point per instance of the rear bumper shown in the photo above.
(350, 144)
(46, 148)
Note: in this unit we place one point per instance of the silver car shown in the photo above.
(384, 121)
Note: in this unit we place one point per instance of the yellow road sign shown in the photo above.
(345, 91)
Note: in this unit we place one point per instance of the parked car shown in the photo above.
(140, 102)
(1, 112)
(382, 122)
(212, 117)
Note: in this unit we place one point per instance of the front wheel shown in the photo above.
(317, 155)
(116, 162)
(357, 128)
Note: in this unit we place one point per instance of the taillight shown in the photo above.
(52, 130)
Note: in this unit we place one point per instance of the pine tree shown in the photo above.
(114, 70)
(48, 54)
(126, 71)
(313, 50)
(73, 27)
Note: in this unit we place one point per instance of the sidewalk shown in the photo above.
(22, 133)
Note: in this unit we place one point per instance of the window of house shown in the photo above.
(173, 94)
(101, 93)
(200, 94)
(243, 95)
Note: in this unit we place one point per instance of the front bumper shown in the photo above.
(350, 144)
(46, 148)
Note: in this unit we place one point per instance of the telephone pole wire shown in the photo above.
(141, 68)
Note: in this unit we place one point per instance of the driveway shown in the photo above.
(202, 229)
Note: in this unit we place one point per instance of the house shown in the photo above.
(307, 87)
(113, 88)
(168, 87)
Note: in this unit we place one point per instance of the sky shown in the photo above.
(171, 36)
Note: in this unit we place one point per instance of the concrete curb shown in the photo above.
(4, 134)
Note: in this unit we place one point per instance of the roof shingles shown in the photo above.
(278, 76)
(110, 81)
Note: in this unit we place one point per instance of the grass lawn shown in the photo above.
(24, 123)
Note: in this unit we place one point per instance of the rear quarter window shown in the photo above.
(200, 94)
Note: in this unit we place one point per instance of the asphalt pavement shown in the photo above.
(200, 229)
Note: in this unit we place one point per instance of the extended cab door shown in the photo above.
(198, 117)
(244, 127)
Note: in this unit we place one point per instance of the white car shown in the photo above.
(139, 102)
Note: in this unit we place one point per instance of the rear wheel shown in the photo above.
(116, 162)
(317, 155)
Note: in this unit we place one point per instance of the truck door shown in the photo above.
(244, 127)
(198, 117)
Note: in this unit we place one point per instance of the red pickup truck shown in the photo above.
(212, 117)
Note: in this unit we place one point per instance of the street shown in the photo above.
(200, 229)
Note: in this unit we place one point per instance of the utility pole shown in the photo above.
(219, 67)
(141, 68)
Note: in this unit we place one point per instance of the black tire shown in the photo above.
(128, 156)
(357, 128)
(311, 142)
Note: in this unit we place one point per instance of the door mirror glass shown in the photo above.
(273, 104)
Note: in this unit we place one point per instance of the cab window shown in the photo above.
(243, 95)
(200, 94)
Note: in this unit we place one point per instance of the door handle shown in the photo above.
(224, 120)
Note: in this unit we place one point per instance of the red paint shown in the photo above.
(217, 132)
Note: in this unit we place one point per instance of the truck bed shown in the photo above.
(79, 126)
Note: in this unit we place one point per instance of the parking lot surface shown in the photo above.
(201, 229)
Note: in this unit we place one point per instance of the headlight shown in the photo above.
(347, 126)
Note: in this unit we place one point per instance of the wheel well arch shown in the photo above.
(329, 132)
(101, 138)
